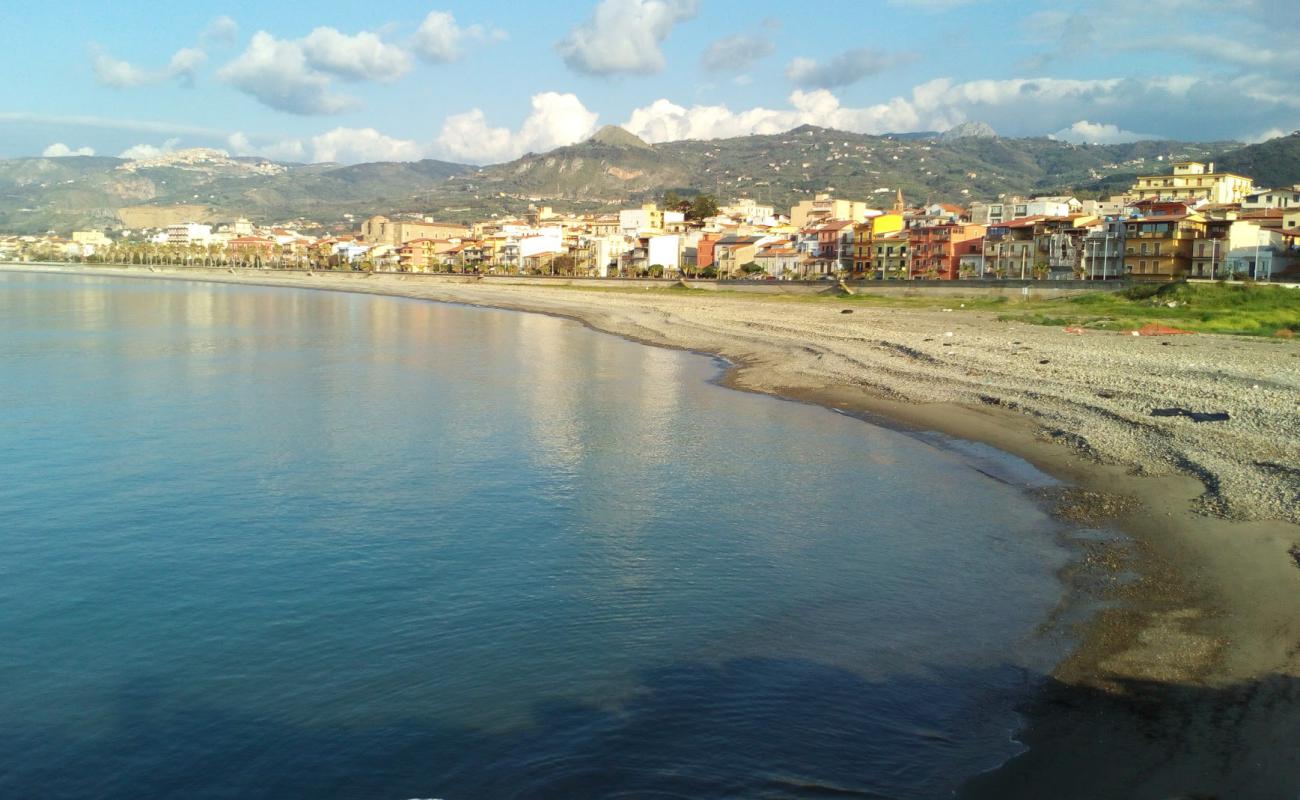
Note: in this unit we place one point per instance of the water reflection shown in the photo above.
(336, 513)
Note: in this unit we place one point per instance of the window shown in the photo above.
(1146, 248)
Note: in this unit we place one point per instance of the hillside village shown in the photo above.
(1189, 222)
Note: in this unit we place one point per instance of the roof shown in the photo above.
(836, 225)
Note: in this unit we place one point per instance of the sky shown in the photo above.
(485, 81)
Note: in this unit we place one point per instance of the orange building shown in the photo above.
(937, 250)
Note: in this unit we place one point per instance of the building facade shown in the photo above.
(1192, 181)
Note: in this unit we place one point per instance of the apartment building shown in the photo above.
(1192, 181)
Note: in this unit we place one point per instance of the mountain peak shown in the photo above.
(969, 130)
(614, 136)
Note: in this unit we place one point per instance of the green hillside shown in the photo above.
(611, 169)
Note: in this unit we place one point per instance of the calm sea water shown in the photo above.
(267, 543)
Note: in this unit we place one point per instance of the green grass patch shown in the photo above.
(1240, 309)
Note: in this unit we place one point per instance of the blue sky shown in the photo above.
(486, 81)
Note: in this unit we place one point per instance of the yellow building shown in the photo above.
(1192, 180)
(1160, 247)
(864, 235)
(824, 208)
(92, 238)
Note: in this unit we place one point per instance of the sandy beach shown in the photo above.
(1186, 682)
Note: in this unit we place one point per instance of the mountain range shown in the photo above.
(611, 169)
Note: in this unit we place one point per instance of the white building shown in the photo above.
(188, 233)
(665, 251)
(750, 212)
(1052, 207)
(1273, 198)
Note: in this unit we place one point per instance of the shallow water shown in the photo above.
(282, 543)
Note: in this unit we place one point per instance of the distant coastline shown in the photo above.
(1210, 623)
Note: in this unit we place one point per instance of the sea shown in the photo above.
(262, 542)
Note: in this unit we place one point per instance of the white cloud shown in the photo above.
(360, 56)
(119, 74)
(220, 31)
(556, 120)
(1015, 107)
(60, 150)
(663, 120)
(1085, 132)
(143, 151)
(440, 39)
(1264, 136)
(277, 73)
(736, 53)
(282, 150)
(841, 70)
(352, 145)
(106, 123)
(624, 36)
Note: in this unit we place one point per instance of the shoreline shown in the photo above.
(1191, 667)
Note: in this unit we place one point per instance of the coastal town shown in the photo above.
(1189, 222)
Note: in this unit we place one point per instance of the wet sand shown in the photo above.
(1186, 682)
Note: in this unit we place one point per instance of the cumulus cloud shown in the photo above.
(60, 150)
(278, 150)
(143, 151)
(1015, 107)
(278, 74)
(556, 120)
(353, 145)
(1085, 132)
(119, 74)
(441, 40)
(362, 56)
(220, 31)
(846, 68)
(736, 53)
(624, 36)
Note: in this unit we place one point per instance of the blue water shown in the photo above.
(272, 543)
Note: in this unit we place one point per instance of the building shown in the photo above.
(835, 246)
(646, 219)
(382, 230)
(936, 250)
(1273, 198)
(999, 212)
(251, 249)
(1160, 247)
(824, 208)
(1236, 248)
(780, 260)
(186, 233)
(1103, 249)
(665, 251)
(733, 252)
(1008, 249)
(890, 258)
(92, 238)
(1192, 181)
(864, 235)
(1033, 247)
(423, 255)
(750, 212)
